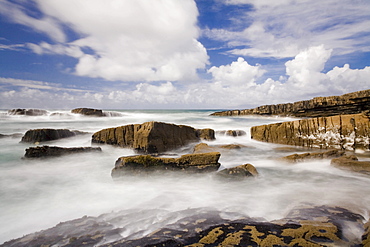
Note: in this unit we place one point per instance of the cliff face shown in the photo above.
(342, 132)
(351, 103)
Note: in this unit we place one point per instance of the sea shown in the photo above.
(37, 194)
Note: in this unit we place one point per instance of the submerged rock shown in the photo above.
(246, 170)
(149, 137)
(295, 158)
(42, 135)
(206, 134)
(351, 163)
(347, 132)
(205, 148)
(233, 133)
(202, 227)
(52, 151)
(28, 112)
(351, 103)
(142, 164)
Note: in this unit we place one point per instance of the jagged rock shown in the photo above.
(351, 103)
(351, 163)
(141, 164)
(28, 112)
(42, 135)
(341, 132)
(305, 226)
(88, 112)
(52, 151)
(206, 134)
(149, 137)
(295, 158)
(232, 132)
(246, 170)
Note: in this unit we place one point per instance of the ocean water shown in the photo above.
(38, 194)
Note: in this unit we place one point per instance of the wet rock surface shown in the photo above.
(204, 148)
(351, 163)
(232, 132)
(142, 164)
(347, 132)
(303, 226)
(52, 151)
(150, 137)
(246, 170)
(88, 112)
(28, 112)
(43, 135)
(295, 158)
(351, 103)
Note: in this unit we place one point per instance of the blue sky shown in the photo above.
(202, 54)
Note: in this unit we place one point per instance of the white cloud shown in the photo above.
(127, 40)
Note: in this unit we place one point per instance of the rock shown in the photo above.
(347, 132)
(351, 163)
(49, 151)
(241, 171)
(295, 158)
(149, 137)
(142, 164)
(28, 112)
(232, 132)
(308, 226)
(366, 235)
(351, 103)
(204, 148)
(42, 135)
(16, 135)
(206, 134)
(88, 112)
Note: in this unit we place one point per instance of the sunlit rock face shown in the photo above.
(351, 103)
(303, 226)
(347, 132)
(151, 137)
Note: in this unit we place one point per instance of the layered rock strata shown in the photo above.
(151, 137)
(142, 164)
(52, 151)
(42, 135)
(351, 103)
(347, 132)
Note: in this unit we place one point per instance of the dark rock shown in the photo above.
(351, 163)
(232, 132)
(49, 151)
(341, 132)
(142, 164)
(149, 137)
(295, 158)
(28, 112)
(206, 134)
(88, 112)
(42, 135)
(352, 103)
(241, 171)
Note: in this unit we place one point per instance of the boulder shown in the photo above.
(142, 164)
(347, 132)
(233, 133)
(88, 112)
(295, 158)
(149, 137)
(28, 112)
(42, 135)
(351, 163)
(246, 170)
(351, 103)
(52, 151)
(206, 134)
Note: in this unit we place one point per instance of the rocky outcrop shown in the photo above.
(351, 103)
(52, 151)
(347, 132)
(28, 112)
(88, 112)
(42, 135)
(303, 226)
(295, 158)
(150, 137)
(232, 132)
(246, 170)
(351, 163)
(142, 164)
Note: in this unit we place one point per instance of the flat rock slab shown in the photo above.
(52, 151)
(42, 135)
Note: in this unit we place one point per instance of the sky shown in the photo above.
(180, 54)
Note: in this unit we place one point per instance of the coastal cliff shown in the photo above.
(351, 103)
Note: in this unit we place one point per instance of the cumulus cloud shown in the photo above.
(121, 39)
(282, 29)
